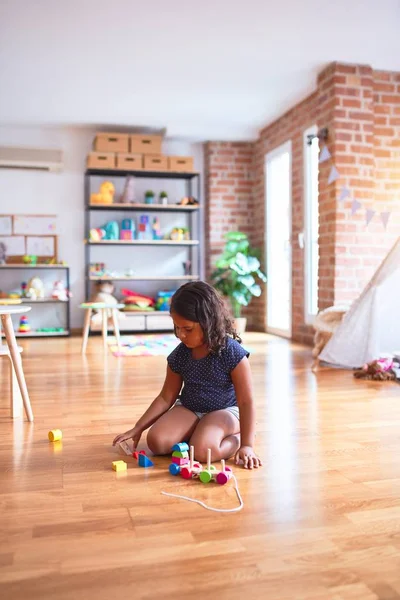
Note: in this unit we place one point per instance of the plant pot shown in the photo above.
(240, 325)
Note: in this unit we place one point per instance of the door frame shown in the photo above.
(285, 147)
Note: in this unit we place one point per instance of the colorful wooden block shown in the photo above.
(174, 469)
(119, 465)
(181, 447)
(180, 454)
(144, 461)
(180, 461)
(54, 435)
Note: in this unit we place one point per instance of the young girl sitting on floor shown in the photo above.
(216, 408)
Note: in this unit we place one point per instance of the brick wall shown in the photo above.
(361, 109)
(228, 168)
(364, 143)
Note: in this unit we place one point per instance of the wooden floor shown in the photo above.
(321, 519)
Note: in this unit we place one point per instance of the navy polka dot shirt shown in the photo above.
(207, 382)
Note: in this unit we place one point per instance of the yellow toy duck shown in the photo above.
(105, 195)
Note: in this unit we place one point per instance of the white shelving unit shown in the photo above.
(150, 255)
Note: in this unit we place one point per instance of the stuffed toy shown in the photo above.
(104, 293)
(35, 288)
(377, 370)
(59, 292)
(105, 194)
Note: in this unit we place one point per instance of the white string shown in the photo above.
(223, 510)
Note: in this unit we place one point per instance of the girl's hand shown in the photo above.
(133, 434)
(248, 456)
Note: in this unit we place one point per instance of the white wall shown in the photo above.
(35, 192)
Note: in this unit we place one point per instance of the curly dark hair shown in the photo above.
(199, 302)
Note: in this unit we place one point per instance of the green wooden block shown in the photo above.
(180, 454)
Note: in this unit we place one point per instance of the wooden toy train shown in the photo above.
(188, 468)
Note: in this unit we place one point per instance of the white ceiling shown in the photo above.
(203, 69)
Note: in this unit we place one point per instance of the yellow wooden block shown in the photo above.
(119, 465)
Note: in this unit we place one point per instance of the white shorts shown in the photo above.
(232, 409)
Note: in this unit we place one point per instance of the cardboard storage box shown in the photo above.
(180, 163)
(145, 144)
(101, 160)
(156, 163)
(111, 142)
(130, 162)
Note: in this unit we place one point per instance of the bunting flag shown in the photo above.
(385, 218)
(355, 206)
(369, 215)
(344, 193)
(333, 175)
(324, 155)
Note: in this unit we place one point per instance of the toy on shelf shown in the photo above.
(97, 269)
(188, 468)
(187, 267)
(143, 459)
(163, 300)
(128, 195)
(163, 198)
(137, 302)
(188, 201)
(149, 197)
(35, 289)
(109, 231)
(144, 230)
(24, 326)
(50, 330)
(54, 435)
(119, 465)
(3, 253)
(127, 229)
(179, 234)
(156, 229)
(105, 194)
(29, 259)
(103, 292)
(59, 292)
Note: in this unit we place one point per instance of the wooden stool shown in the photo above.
(103, 308)
(15, 393)
(13, 353)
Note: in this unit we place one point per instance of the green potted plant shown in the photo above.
(163, 198)
(149, 197)
(237, 275)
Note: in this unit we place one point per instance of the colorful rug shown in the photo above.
(144, 345)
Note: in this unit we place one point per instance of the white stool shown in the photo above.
(12, 351)
(104, 309)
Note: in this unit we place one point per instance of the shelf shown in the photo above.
(144, 243)
(144, 207)
(144, 278)
(23, 266)
(43, 301)
(42, 334)
(142, 174)
(148, 313)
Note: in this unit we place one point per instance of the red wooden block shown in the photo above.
(180, 461)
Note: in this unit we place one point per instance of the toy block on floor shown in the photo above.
(180, 461)
(144, 461)
(136, 454)
(119, 465)
(181, 447)
(180, 454)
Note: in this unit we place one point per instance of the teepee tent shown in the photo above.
(372, 325)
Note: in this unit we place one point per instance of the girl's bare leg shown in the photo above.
(174, 426)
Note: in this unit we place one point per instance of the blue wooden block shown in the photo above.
(144, 461)
(181, 447)
(174, 469)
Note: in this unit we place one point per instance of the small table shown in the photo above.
(14, 354)
(104, 309)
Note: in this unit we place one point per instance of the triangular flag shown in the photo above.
(369, 215)
(324, 155)
(385, 218)
(333, 175)
(355, 205)
(144, 461)
(344, 193)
